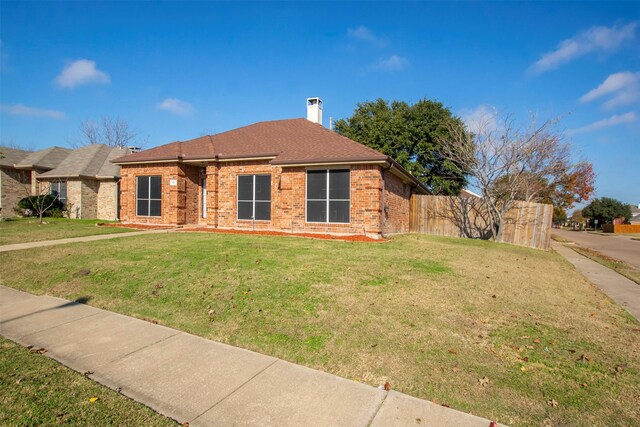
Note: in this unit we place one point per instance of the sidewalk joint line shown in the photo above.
(375, 414)
(235, 390)
(145, 347)
(61, 324)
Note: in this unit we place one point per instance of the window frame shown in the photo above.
(253, 195)
(328, 199)
(149, 199)
(58, 191)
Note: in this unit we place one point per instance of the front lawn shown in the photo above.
(22, 230)
(35, 390)
(504, 332)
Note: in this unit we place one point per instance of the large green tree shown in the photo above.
(411, 135)
(606, 209)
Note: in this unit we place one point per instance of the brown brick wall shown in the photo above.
(182, 204)
(14, 185)
(169, 214)
(397, 201)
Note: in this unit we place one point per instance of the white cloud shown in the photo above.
(81, 72)
(23, 110)
(622, 89)
(482, 118)
(611, 121)
(176, 106)
(393, 63)
(595, 39)
(364, 34)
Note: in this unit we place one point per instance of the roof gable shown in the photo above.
(11, 156)
(88, 161)
(48, 158)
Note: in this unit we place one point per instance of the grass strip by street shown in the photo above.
(23, 230)
(36, 390)
(500, 331)
(620, 267)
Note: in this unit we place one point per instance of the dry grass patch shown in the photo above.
(433, 316)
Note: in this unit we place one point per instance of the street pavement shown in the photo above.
(622, 248)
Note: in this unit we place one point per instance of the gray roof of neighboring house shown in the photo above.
(11, 156)
(48, 158)
(88, 161)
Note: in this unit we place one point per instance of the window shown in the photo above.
(328, 195)
(59, 189)
(254, 197)
(149, 196)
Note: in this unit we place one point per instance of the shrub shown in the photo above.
(55, 213)
(32, 204)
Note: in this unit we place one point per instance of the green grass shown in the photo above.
(35, 390)
(431, 315)
(22, 230)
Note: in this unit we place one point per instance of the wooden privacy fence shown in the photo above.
(526, 223)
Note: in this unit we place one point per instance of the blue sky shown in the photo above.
(179, 70)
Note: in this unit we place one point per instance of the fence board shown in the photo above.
(526, 224)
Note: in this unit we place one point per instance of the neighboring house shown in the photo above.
(285, 175)
(465, 193)
(84, 179)
(635, 214)
(14, 183)
(87, 182)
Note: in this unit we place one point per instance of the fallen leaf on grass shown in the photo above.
(537, 341)
(585, 385)
(584, 358)
(483, 381)
(453, 351)
(93, 399)
(552, 403)
(523, 368)
(41, 350)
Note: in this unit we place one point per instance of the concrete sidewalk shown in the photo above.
(620, 289)
(202, 382)
(29, 245)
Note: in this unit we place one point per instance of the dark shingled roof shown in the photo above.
(293, 141)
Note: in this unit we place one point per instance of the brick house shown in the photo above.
(84, 179)
(19, 171)
(87, 182)
(14, 183)
(284, 175)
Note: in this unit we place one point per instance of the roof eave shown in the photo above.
(419, 185)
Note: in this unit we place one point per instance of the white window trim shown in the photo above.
(253, 202)
(55, 186)
(149, 199)
(306, 187)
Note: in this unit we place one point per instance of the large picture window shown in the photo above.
(328, 195)
(59, 189)
(149, 196)
(254, 197)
